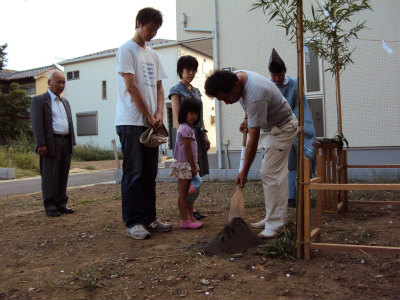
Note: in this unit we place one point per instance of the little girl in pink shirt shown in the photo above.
(185, 165)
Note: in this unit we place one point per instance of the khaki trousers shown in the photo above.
(276, 146)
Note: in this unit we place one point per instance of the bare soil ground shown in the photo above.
(87, 255)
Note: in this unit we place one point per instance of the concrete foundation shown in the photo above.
(7, 173)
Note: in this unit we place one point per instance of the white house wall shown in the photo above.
(370, 88)
(85, 94)
(371, 99)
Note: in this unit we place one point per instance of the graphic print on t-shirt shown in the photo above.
(149, 74)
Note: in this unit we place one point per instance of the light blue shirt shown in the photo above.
(59, 115)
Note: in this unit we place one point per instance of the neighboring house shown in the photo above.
(33, 81)
(369, 88)
(91, 89)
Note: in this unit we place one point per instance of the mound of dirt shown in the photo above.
(236, 237)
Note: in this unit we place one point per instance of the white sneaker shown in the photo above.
(258, 225)
(157, 225)
(267, 234)
(138, 232)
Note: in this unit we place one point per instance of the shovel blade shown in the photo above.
(236, 209)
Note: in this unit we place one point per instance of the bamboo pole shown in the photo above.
(343, 247)
(320, 194)
(307, 208)
(339, 100)
(355, 186)
(374, 166)
(368, 202)
(346, 193)
(300, 173)
(328, 204)
(334, 178)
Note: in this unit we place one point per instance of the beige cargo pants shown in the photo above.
(276, 146)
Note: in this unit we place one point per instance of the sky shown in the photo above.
(43, 32)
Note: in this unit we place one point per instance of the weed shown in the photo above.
(90, 167)
(90, 278)
(92, 152)
(82, 201)
(22, 144)
(200, 257)
(284, 245)
(48, 284)
(366, 235)
(26, 161)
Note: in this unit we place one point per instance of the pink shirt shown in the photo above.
(185, 131)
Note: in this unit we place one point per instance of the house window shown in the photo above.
(72, 75)
(314, 91)
(104, 89)
(317, 112)
(87, 123)
(30, 90)
(312, 71)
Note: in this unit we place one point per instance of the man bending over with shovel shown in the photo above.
(270, 121)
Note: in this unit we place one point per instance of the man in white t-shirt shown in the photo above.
(268, 119)
(139, 106)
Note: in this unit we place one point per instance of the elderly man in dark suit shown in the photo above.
(53, 129)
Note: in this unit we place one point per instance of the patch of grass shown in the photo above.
(23, 143)
(283, 246)
(90, 167)
(83, 201)
(199, 256)
(90, 278)
(92, 152)
(48, 284)
(21, 173)
(4, 157)
(26, 161)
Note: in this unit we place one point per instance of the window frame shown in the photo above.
(316, 95)
(104, 90)
(73, 75)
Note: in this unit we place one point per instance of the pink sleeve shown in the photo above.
(188, 133)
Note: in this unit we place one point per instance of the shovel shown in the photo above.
(236, 209)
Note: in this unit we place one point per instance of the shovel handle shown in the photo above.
(244, 141)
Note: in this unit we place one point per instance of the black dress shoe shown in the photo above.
(66, 210)
(52, 213)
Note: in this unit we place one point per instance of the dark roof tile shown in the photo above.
(14, 75)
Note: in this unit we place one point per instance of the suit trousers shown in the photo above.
(276, 145)
(54, 171)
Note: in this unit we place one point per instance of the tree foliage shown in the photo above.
(284, 11)
(14, 113)
(331, 31)
(329, 26)
(3, 54)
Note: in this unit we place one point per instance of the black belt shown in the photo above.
(61, 135)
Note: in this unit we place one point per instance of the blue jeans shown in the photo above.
(138, 185)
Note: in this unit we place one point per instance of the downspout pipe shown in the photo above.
(214, 33)
(217, 104)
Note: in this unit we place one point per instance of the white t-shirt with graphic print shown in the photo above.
(145, 64)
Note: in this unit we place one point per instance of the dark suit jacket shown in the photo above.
(42, 122)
